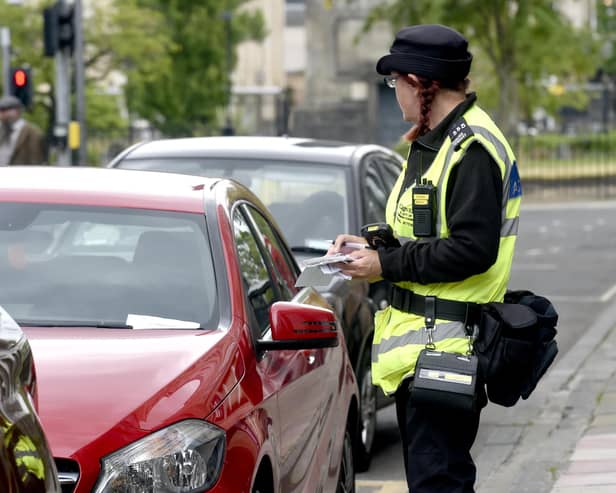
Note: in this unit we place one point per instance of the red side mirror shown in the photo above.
(299, 326)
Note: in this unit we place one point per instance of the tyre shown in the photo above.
(367, 414)
(346, 476)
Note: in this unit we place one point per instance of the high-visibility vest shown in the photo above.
(400, 336)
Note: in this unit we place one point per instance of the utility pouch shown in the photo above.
(445, 381)
(515, 345)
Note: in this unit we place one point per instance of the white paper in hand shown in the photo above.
(320, 271)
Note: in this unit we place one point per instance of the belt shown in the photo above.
(432, 307)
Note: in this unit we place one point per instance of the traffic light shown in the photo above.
(21, 85)
(58, 28)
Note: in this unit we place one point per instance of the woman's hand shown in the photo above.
(365, 264)
(339, 244)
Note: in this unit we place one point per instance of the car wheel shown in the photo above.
(367, 416)
(346, 476)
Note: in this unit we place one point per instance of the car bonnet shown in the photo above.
(101, 389)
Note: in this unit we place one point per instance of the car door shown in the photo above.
(303, 378)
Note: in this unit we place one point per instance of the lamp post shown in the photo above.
(5, 44)
(228, 128)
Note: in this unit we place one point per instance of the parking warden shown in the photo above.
(455, 211)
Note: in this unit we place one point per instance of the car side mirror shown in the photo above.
(299, 326)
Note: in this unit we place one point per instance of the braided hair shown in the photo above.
(427, 90)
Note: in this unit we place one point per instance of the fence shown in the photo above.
(561, 167)
(556, 167)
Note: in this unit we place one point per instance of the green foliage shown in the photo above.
(548, 144)
(518, 48)
(165, 60)
(186, 98)
(105, 32)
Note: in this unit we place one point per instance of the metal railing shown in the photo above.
(562, 167)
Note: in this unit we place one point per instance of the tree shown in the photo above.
(186, 98)
(171, 53)
(519, 46)
(119, 36)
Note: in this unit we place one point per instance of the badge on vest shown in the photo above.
(459, 132)
(515, 184)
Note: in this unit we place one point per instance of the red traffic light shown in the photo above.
(20, 78)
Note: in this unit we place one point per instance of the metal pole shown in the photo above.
(80, 107)
(5, 41)
(63, 94)
(228, 128)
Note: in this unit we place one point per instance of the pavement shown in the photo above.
(563, 438)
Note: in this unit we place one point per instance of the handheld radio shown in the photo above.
(424, 209)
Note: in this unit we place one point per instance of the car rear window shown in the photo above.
(103, 266)
(309, 200)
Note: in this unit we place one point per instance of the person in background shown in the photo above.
(452, 256)
(20, 141)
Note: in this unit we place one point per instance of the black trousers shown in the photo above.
(436, 445)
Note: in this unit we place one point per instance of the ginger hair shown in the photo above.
(427, 91)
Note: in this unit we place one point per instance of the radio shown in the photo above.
(424, 209)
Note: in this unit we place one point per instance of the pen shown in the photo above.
(352, 244)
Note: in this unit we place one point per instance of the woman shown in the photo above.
(455, 210)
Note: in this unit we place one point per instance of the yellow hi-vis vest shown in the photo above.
(399, 336)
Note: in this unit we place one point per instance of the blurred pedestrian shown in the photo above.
(20, 142)
(454, 211)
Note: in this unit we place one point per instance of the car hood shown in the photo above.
(104, 388)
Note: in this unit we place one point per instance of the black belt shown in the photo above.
(433, 308)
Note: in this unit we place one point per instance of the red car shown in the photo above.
(173, 351)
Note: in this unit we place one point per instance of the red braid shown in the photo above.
(427, 90)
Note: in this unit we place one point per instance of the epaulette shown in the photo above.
(459, 132)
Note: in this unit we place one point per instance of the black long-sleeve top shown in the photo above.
(473, 211)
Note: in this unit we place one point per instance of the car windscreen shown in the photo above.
(105, 267)
(309, 200)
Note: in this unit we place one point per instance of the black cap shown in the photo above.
(428, 50)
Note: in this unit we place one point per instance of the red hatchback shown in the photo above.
(173, 351)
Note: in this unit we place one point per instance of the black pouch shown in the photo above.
(515, 345)
(445, 381)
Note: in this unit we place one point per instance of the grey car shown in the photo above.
(315, 190)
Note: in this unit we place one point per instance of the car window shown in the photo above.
(279, 257)
(105, 266)
(380, 173)
(309, 200)
(258, 285)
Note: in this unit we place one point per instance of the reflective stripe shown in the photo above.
(502, 152)
(447, 330)
(439, 188)
(510, 227)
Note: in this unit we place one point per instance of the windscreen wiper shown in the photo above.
(72, 323)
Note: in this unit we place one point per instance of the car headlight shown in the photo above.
(183, 458)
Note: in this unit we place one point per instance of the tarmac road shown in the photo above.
(565, 252)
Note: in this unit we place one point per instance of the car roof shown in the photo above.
(105, 187)
(290, 148)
